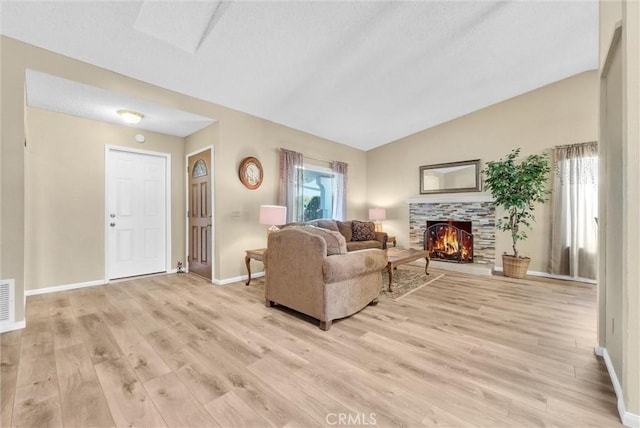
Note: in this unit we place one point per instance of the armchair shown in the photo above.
(301, 276)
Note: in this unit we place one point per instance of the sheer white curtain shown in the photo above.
(339, 170)
(290, 184)
(574, 235)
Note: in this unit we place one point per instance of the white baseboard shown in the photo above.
(103, 282)
(553, 276)
(10, 326)
(76, 285)
(470, 268)
(237, 278)
(628, 419)
(64, 287)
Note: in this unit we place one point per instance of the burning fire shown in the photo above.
(445, 243)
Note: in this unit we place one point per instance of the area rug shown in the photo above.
(407, 279)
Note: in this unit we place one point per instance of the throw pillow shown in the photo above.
(293, 224)
(336, 243)
(363, 231)
(328, 224)
(344, 227)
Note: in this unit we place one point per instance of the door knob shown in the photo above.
(112, 224)
(112, 215)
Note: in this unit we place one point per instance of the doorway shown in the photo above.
(199, 213)
(611, 214)
(137, 212)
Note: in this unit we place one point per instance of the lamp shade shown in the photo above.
(273, 214)
(377, 214)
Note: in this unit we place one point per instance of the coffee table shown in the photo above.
(398, 257)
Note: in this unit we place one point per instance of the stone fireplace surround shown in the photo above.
(480, 210)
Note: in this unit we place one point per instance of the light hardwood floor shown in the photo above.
(174, 350)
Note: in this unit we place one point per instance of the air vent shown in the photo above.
(7, 300)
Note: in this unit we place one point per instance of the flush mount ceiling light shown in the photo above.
(131, 117)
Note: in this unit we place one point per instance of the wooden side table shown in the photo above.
(258, 255)
(391, 239)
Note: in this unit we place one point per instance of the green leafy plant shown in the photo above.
(516, 187)
(312, 209)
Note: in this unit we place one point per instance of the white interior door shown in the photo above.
(136, 214)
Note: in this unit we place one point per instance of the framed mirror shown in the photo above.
(450, 177)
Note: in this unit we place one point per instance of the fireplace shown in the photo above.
(479, 210)
(450, 241)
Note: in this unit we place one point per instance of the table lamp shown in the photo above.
(273, 214)
(377, 214)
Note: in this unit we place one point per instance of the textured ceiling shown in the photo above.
(65, 96)
(359, 73)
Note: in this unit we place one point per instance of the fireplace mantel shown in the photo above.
(450, 199)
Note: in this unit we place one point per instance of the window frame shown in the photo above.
(329, 191)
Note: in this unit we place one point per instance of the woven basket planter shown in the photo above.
(515, 267)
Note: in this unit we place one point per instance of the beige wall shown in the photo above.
(631, 43)
(12, 173)
(65, 199)
(611, 209)
(561, 113)
(236, 207)
(610, 17)
(619, 284)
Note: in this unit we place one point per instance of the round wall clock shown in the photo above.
(251, 173)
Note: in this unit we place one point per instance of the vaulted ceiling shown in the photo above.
(359, 73)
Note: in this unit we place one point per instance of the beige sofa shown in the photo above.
(346, 229)
(302, 276)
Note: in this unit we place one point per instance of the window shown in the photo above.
(311, 192)
(574, 232)
(199, 169)
(317, 192)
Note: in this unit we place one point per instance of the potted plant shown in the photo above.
(516, 187)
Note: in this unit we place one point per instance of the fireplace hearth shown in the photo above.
(449, 240)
